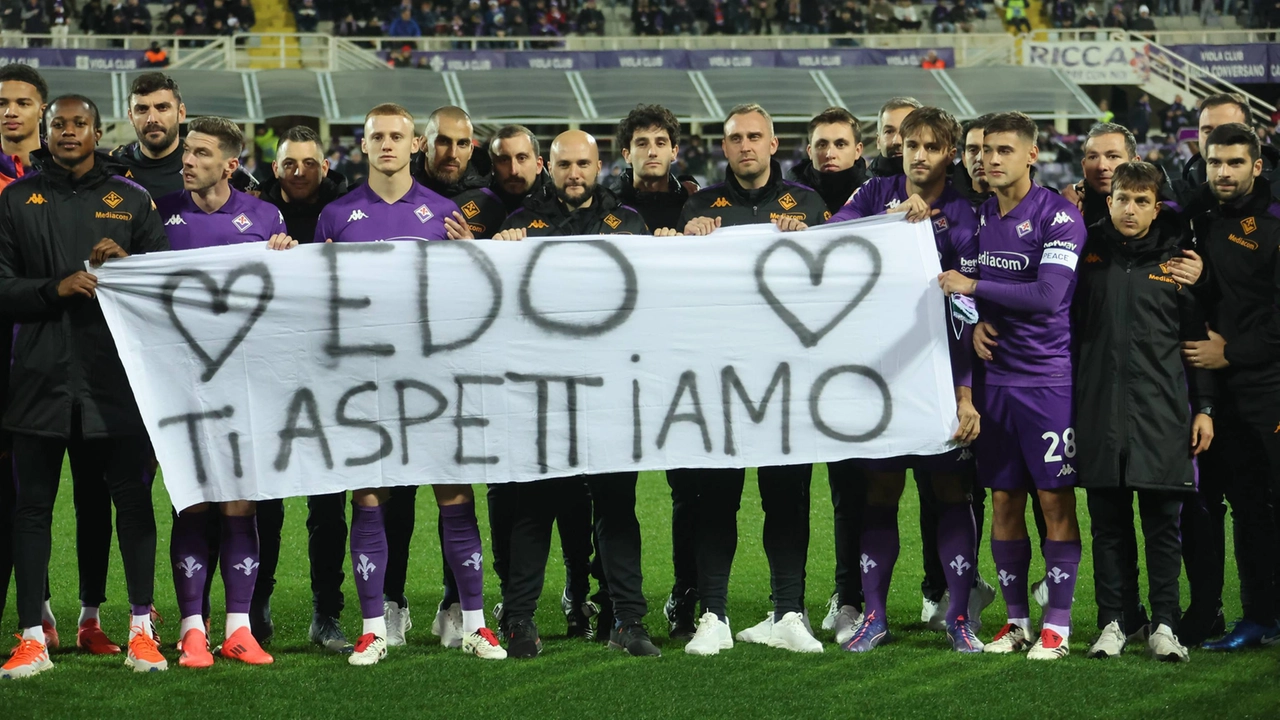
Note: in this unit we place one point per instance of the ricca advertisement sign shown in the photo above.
(1093, 63)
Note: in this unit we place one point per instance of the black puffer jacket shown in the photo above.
(546, 216)
(835, 187)
(1134, 397)
(735, 205)
(64, 355)
(659, 209)
(301, 218)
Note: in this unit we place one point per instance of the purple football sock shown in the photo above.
(463, 552)
(189, 556)
(957, 548)
(368, 558)
(879, 553)
(1062, 560)
(1013, 562)
(239, 558)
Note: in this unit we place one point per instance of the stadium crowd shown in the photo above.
(1053, 389)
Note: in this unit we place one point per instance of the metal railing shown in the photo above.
(1159, 37)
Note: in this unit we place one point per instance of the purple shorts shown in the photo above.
(1028, 439)
(957, 462)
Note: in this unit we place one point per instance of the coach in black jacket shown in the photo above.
(754, 192)
(69, 392)
(518, 174)
(579, 207)
(1240, 231)
(1133, 404)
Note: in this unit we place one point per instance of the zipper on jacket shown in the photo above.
(1123, 347)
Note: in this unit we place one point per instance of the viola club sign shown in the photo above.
(1093, 63)
(334, 367)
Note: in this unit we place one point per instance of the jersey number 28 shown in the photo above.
(1067, 441)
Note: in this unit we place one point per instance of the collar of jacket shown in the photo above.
(882, 166)
(541, 186)
(332, 186)
(473, 177)
(675, 190)
(744, 196)
(1167, 231)
(104, 166)
(548, 204)
(831, 185)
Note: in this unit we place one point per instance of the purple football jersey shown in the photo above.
(954, 229)
(362, 216)
(243, 218)
(1044, 233)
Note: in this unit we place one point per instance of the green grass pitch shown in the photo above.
(917, 676)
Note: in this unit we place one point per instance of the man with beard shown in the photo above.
(1235, 218)
(925, 193)
(69, 392)
(156, 112)
(834, 166)
(517, 173)
(446, 165)
(304, 184)
(580, 206)
(754, 192)
(1216, 110)
(889, 136)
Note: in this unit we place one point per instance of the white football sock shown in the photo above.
(46, 614)
(191, 622)
(34, 633)
(139, 624)
(235, 621)
(375, 625)
(87, 613)
(472, 620)
(1024, 623)
(1062, 630)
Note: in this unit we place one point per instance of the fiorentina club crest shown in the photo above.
(424, 213)
(242, 222)
(1024, 229)
(939, 224)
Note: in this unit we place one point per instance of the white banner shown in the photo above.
(1093, 63)
(333, 367)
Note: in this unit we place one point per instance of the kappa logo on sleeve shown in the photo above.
(356, 215)
(1096, 258)
(112, 200)
(1248, 225)
(1062, 218)
(471, 209)
(538, 225)
(721, 202)
(242, 222)
(36, 199)
(1024, 229)
(787, 202)
(612, 221)
(424, 213)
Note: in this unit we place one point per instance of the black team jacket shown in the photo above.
(1134, 395)
(64, 356)
(1240, 242)
(835, 187)
(486, 208)
(659, 209)
(544, 216)
(476, 175)
(300, 219)
(164, 175)
(736, 206)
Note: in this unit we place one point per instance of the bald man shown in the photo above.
(447, 164)
(579, 206)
